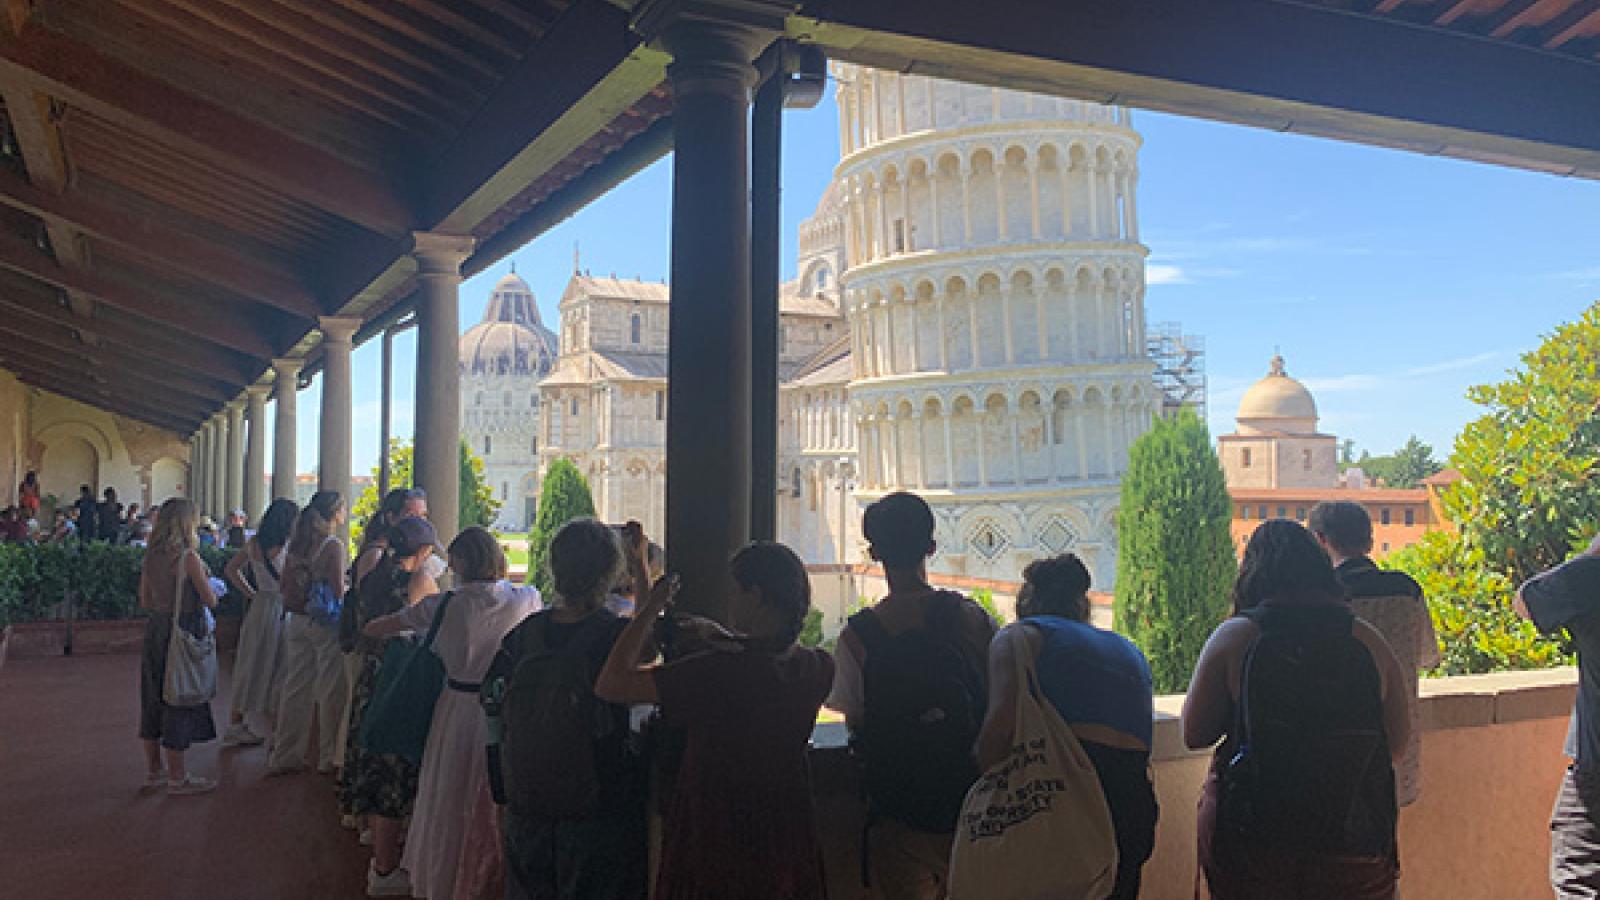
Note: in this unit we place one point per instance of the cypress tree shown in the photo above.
(563, 497)
(1175, 561)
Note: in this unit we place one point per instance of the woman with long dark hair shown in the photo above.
(314, 677)
(172, 573)
(1309, 705)
(255, 573)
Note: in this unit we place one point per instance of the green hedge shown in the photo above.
(103, 578)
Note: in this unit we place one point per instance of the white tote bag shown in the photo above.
(1036, 826)
(191, 661)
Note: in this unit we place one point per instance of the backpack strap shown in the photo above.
(869, 628)
(438, 618)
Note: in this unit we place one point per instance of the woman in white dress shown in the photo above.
(313, 680)
(258, 667)
(446, 824)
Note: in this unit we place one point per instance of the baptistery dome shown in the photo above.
(1277, 404)
(511, 339)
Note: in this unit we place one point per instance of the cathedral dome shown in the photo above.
(1278, 403)
(512, 338)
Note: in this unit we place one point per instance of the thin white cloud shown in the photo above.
(1451, 365)
(1165, 273)
(1343, 383)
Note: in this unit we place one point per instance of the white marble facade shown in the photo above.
(967, 322)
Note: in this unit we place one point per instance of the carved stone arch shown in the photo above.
(1015, 153)
(88, 432)
(1055, 277)
(982, 153)
(1093, 395)
(956, 285)
(932, 404)
(1102, 155)
(1051, 152)
(1083, 278)
(1077, 155)
(904, 410)
(989, 277)
(924, 289)
(990, 406)
(1023, 278)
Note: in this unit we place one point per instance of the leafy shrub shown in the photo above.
(103, 579)
(1471, 607)
(985, 598)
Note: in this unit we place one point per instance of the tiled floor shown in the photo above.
(73, 825)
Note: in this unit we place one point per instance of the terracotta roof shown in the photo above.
(1363, 495)
(1442, 478)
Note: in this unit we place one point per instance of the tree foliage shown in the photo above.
(563, 497)
(1471, 607)
(1404, 468)
(1529, 490)
(478, 503)
(1175, 561)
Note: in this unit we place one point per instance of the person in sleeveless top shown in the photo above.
(1286, 576)
(453, 850)
(382, 787)
(739, 824)
(314, 677)
(1100, 684)
(258, 666)
(172, 573)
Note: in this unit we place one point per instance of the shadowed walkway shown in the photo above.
(73, 825)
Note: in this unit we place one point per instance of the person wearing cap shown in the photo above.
(382, 787)
(208, 532)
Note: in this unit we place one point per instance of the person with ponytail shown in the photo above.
(1098, 682)
(314, 679)
(258, 666)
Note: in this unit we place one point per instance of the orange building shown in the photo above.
(1279, 466)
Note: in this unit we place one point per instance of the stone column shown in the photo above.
(198, 459)
(436, 467)
(708, 429)
(217, 472)
(234, 495)
(255, 461)
(333, 443)
(286, 375)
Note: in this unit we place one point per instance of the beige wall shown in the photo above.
(1491, 757)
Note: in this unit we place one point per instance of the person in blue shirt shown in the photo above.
(1100, 684)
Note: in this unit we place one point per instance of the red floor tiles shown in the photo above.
(73, 825)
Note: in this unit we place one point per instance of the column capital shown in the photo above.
(235, 406)
(441, 254)
(258, 391)
(713, 42)
(338, 329)
(288, 366)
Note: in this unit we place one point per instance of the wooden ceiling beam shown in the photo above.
(586, 71)
(1568, 24)
(390, 43)
(176, 349)
(168, 248)
(201, 321)
(139, 102)
(113, 367)
(118, 344)
(406, 21)
(73, 386)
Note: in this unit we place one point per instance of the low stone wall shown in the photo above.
(1491, 760)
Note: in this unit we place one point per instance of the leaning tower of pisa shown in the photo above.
(995, 289)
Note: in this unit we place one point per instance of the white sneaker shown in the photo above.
(240, 735)
(394, 884)
(191, 784)
(153, 783)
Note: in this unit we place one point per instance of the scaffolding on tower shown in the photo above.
(1180, 373)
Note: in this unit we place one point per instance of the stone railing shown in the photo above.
(1491, 762)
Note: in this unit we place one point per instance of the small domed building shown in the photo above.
(1277, 444)
(503, 358)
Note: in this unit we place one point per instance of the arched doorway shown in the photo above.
(68, 462)
(167, 480)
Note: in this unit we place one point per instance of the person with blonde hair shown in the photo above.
(173, 574)
(314, 676)
(453, 846)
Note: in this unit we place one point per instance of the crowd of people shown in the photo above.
(99, 518)
(559, 716)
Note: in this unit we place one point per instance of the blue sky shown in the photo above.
(1390, 281)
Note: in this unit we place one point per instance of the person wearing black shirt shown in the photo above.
(110, 518)
(88, 514)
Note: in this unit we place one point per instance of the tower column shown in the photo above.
(437, 467)
(286, 384)
(255, 469)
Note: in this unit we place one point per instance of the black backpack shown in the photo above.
(554, 732)
(924, 705)
(1312, 776)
